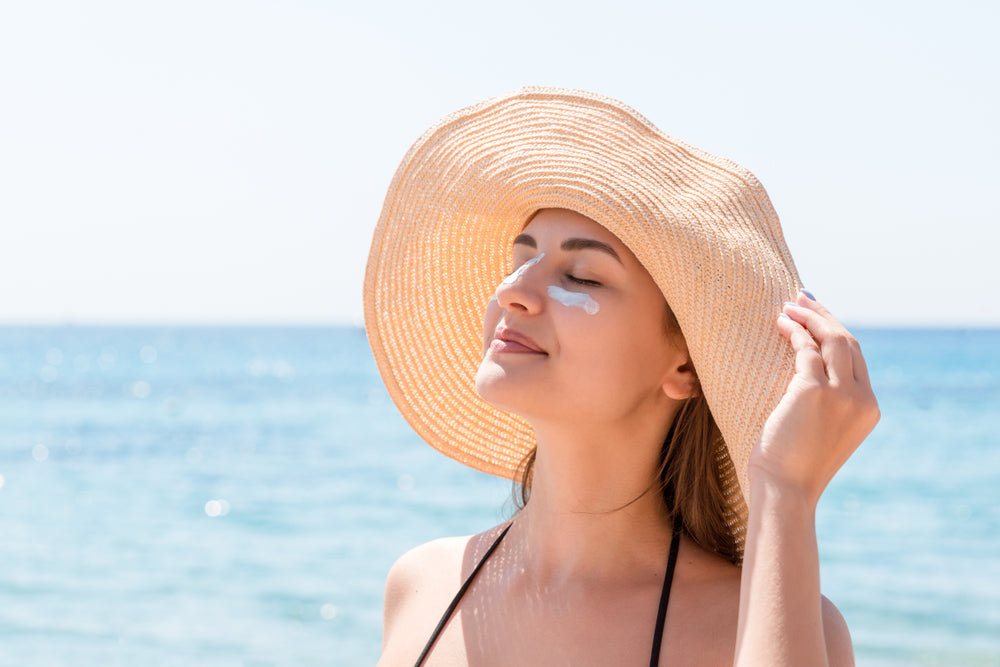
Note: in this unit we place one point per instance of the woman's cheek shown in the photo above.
(581, 300)
(490, 319)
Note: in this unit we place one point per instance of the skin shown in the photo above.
(577, 580)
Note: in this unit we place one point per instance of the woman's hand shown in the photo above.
(827, 410)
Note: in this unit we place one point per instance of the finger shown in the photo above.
(832, 338)
(859, 364)
(807, 300)
(808, 360)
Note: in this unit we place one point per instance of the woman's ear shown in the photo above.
(681, 381)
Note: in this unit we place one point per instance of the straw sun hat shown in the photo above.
(701, 225)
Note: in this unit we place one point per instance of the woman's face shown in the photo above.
(577, 331)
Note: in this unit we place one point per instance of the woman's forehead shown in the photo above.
(565, 222)
(574, 231)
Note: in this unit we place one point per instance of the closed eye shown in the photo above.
(582, 281)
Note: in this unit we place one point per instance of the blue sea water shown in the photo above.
(235, 496)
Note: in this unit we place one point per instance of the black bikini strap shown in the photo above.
(458, 596)
(661, 615)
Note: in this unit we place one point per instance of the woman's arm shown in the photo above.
(824, 415)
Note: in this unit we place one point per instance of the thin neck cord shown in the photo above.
(661, 615)
(461, 592)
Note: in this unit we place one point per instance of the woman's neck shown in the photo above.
(596, 508)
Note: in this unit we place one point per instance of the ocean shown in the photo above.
(235, 496)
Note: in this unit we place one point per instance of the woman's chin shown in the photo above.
(497, 389)
(488, 378)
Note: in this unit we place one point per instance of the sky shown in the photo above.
(225, 161)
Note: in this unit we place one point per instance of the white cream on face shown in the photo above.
(571, 299)
(514, 277)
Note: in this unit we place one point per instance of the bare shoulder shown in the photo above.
(839, 648)
(709, 594)
(413, 569)
(419, 574)
(422, 581)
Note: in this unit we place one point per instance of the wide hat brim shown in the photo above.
(702, 226)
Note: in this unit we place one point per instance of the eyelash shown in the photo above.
(582, 281)
(571, 278)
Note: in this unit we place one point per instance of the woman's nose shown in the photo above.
(519, 290)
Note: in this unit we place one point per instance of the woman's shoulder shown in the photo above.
(424, 579)
(413, 566)
(709, 589)
(444, 558)
(839, 648)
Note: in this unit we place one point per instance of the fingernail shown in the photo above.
(807, 293)
(792, 304)
(785, 315)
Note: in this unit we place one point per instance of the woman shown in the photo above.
(671, 401)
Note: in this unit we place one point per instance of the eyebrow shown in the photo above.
(571, 244)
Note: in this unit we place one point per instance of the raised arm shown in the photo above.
(827, 411)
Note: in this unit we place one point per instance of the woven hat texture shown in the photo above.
(701, 225)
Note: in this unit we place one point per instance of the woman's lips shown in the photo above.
(510, 341)
(509, 346)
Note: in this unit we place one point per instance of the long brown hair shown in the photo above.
(688, 477)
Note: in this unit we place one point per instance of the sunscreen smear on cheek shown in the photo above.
(574, 299)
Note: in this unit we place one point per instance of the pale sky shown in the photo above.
(225, 161)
